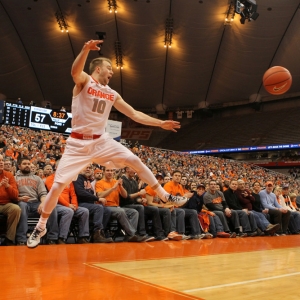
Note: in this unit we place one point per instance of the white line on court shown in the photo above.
(239, 283)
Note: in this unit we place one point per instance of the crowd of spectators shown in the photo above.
(44, 149)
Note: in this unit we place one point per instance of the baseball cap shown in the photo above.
(159, 175)
(285, 186)
(269, 183)
(98, 171)
(200, 186)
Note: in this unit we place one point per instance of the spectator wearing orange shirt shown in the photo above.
(48, 170)
(110, 189)
(67, 207)
(9, 151)
(166, 211)
(9, 166)
(9, 193)
(175, 188)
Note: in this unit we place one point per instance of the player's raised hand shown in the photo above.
(92, 44)
(170, 125)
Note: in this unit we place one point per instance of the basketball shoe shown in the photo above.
(176, 200)
(35, 237)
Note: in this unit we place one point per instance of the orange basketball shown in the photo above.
(277, 80)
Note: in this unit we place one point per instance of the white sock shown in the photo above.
(42, 223)
(162, 193)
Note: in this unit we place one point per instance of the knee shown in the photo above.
(84, 211)
(133, 161)
(120, 214)
(168, 213)
(135, 214)
(106, 210)
(15, 209)
(99, 208)
(194, 213)
(140, 209)
(234, 213)
(22, 205)
(70, 213)
(180, 213)
(154, 210)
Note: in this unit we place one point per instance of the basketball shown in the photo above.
(277, 80)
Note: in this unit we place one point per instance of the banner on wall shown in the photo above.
(136, 133)
(114, 128)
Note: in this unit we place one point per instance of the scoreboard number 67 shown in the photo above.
(39, 118)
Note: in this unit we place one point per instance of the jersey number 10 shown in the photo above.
(99, 106)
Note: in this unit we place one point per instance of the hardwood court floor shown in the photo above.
(244, 268)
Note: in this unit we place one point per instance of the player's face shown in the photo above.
(105, 72)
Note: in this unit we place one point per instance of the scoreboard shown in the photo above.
(16, 114)
(50, 119)
(37, 118)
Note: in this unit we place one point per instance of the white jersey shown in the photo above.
(91, 108)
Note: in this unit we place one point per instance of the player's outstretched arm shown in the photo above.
(142, 118)
(79, 76)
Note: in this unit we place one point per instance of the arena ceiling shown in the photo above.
(209, 64)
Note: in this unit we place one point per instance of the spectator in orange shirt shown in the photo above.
(9, 151)
(67, 207)
(175, 188)
(110, 189)
(9, 193)
(166, 211)
(8, 166)
(48, 170)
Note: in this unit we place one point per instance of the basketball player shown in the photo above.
(88, 142)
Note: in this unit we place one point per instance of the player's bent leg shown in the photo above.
(51, 198)
(49, 204)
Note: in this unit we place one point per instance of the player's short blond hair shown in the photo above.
(97, 62)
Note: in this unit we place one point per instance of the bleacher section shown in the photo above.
(260, 128)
